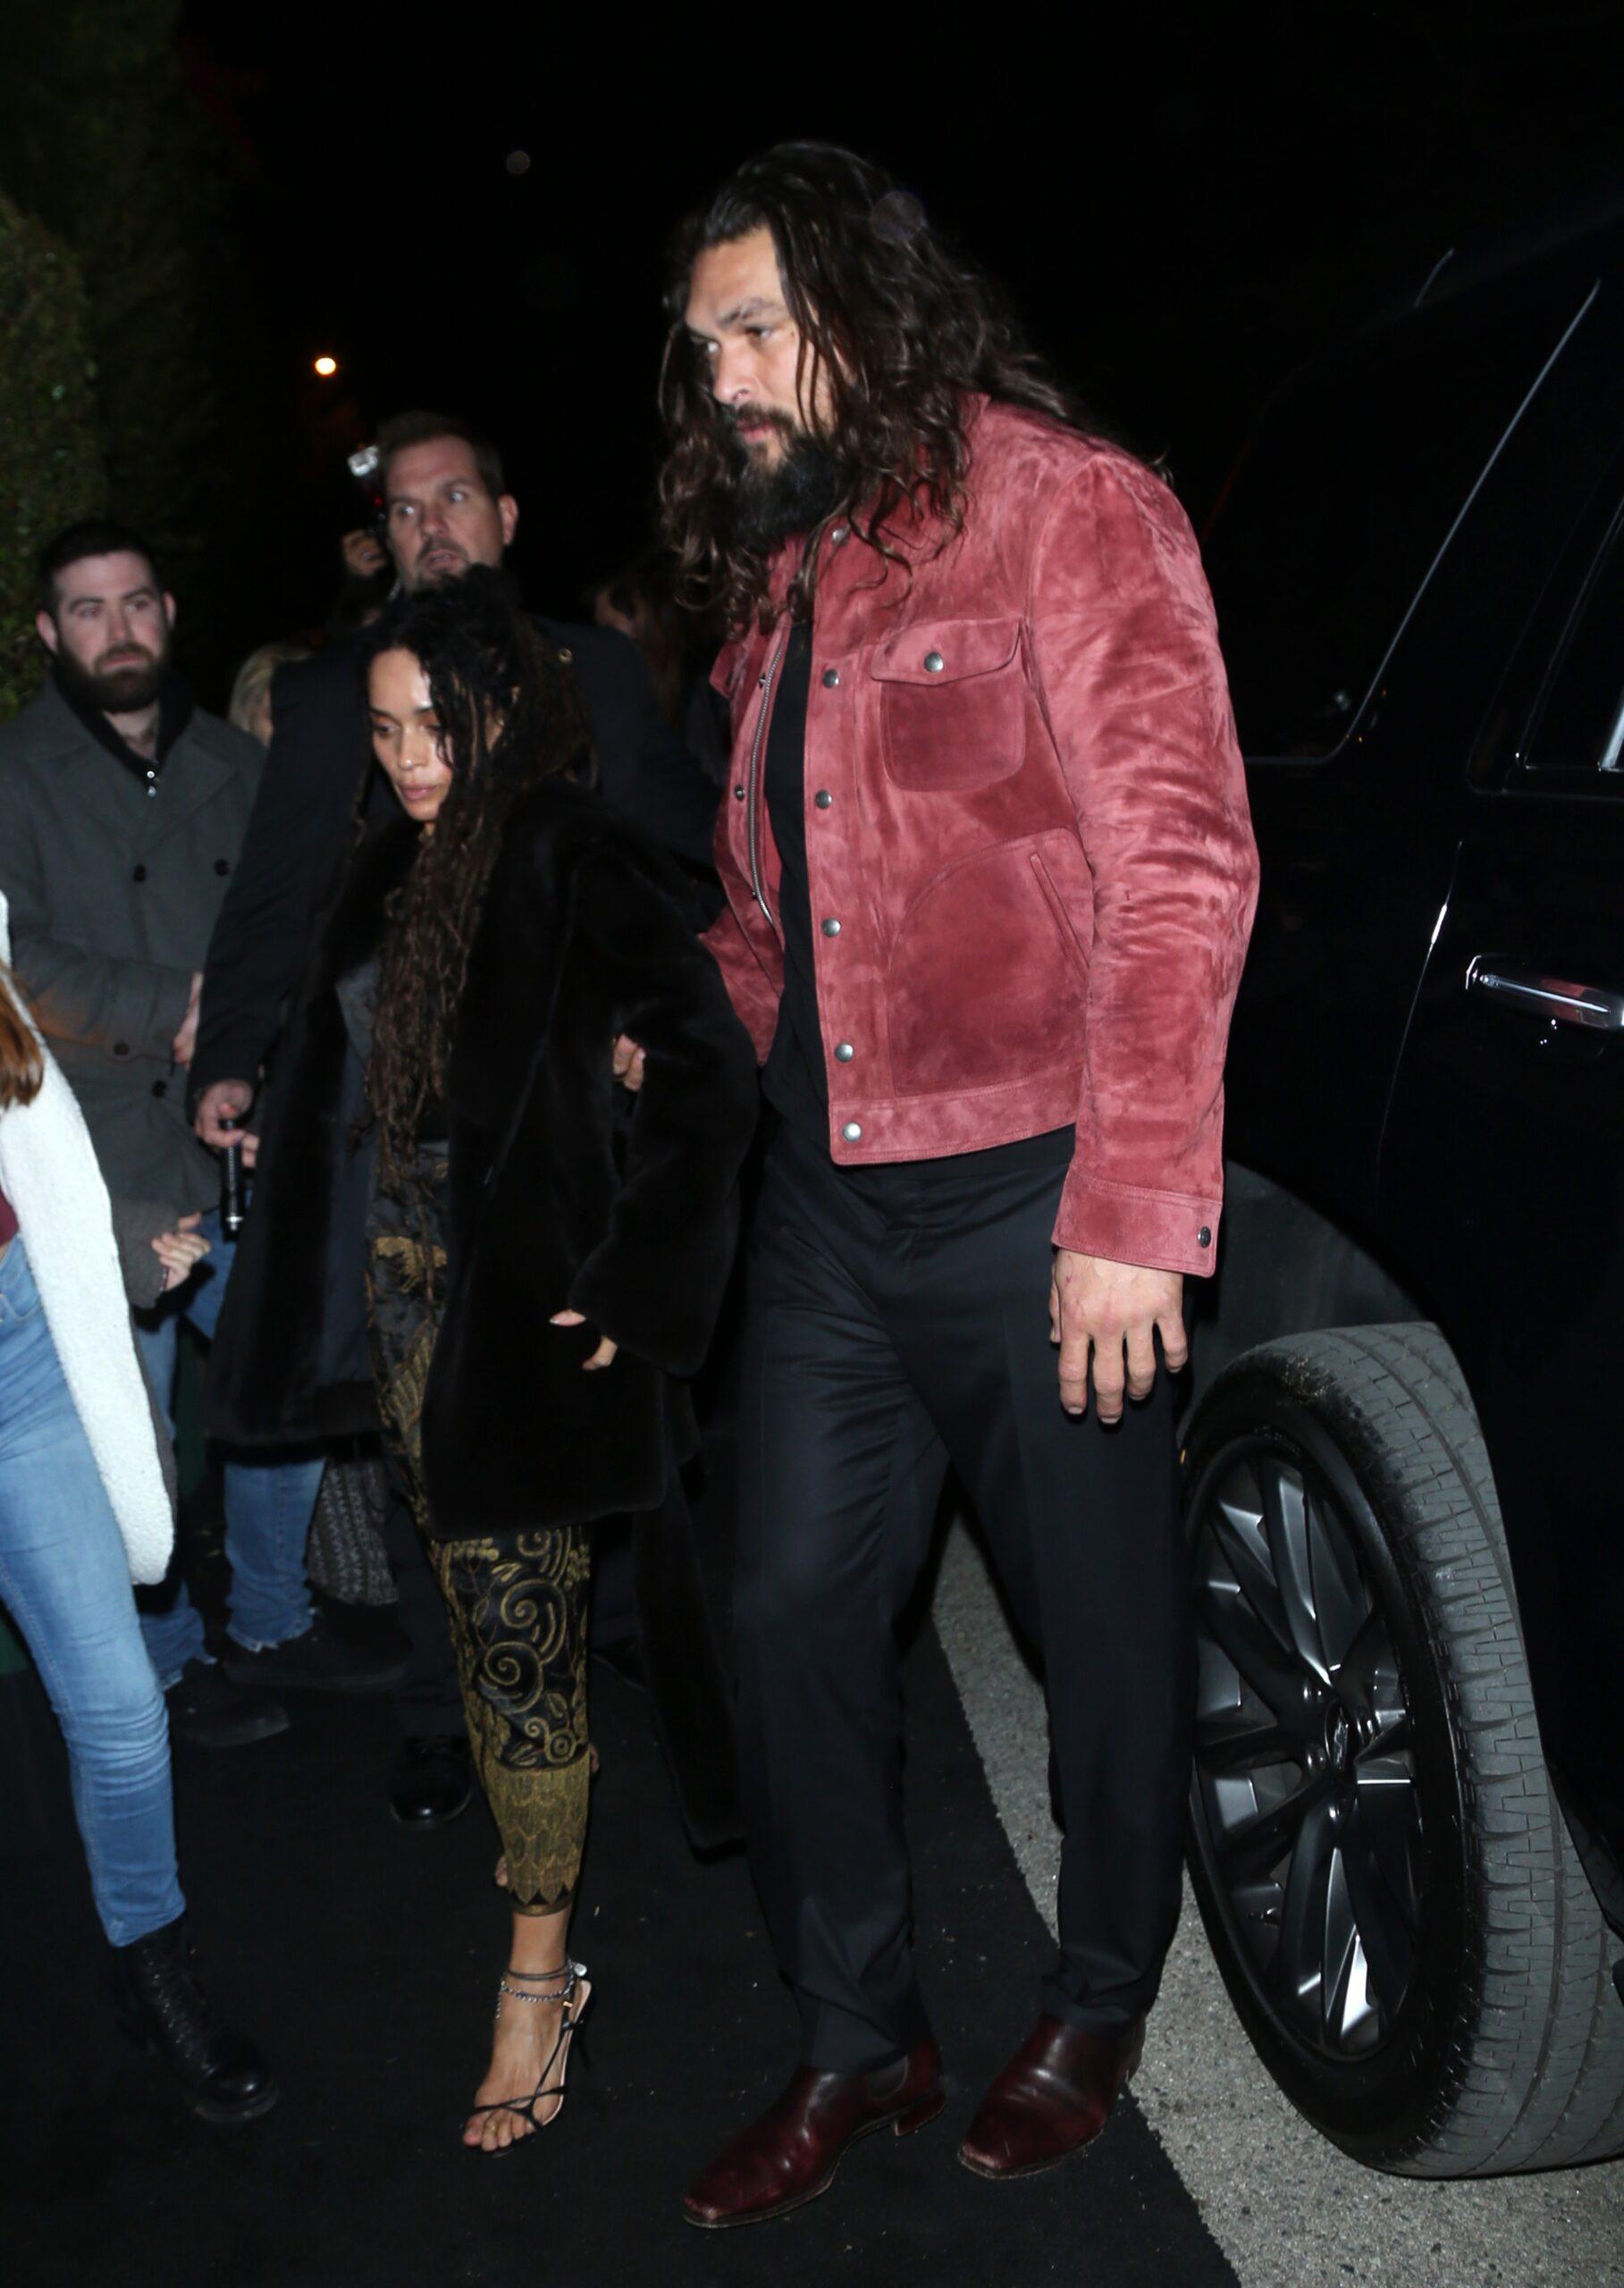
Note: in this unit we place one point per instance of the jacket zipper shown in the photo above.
(774, 661)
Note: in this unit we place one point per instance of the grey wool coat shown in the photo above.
(113, 892)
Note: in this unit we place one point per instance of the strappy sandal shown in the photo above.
(569, 1976)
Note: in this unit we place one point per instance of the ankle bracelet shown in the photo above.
(568, 1974)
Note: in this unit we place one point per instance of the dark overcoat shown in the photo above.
(319, 763)
(582, 937)
(114, 886)
(554, 1203)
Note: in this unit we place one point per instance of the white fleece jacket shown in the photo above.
(49, 1172)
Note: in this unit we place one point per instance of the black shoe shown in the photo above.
(430, 1780)
(623, 1658)
(205, 1708)
(320, 1661)
(160, 2005)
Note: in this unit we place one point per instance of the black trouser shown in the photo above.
(898, 1320)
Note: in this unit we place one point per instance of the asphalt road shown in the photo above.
(1286, 2208)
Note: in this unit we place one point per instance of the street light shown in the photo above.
(326, 368)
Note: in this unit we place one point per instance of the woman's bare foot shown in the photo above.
(522, 2056)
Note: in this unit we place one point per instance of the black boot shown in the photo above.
(160, 2005)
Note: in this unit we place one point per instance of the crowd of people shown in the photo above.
(464, 940)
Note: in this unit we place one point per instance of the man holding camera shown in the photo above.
(123, 806)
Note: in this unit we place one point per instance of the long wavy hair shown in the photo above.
(21, 1067)
(901, 328)
(509, 717)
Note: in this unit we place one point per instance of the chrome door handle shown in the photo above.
(1547, 997)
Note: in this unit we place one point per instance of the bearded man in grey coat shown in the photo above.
(122, 808)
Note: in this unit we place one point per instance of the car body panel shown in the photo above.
(1465, 1159)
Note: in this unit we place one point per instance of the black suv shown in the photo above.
(1404, 1470)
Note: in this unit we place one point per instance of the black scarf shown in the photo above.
(176, 707)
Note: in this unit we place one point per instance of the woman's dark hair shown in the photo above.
(508, 719)
(903, 329)
(671, 639)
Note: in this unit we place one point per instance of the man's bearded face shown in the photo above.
(740, 322)
(110, 632)
(779, 498)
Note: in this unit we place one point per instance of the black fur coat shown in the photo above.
(582, 937)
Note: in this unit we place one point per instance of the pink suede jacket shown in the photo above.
(1033, 872)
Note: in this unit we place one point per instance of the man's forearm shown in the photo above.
(122, 1007)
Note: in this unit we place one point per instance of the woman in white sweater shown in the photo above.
(86, 1505)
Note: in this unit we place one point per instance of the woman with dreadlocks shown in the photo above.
(498, 1273)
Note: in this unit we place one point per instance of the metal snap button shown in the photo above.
(823, 798)
(738, 793)
(934, 663)
(852, 1131)
(1204, 1236)
(831, 677)
(831, 928)
(844, 1052)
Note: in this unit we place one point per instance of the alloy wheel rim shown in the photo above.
(1306, 1806)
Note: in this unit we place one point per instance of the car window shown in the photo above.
(1578, 725)
(1339, 507)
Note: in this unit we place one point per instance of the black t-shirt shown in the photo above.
(796, 1078)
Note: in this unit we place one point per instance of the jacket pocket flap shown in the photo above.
(946, 651)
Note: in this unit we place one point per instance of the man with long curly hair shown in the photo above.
(990, 879)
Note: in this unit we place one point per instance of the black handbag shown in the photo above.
(346, 1557)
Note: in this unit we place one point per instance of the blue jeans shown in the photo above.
(268, 1504)
(66, 1583)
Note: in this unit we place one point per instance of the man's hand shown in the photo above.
(629, 1062)
(603, 1356)
(362, 553)
(221, 1110)
(1115, 1309)
(186, 1040)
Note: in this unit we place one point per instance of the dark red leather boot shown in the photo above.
(790, 2154)
(1052, 2099)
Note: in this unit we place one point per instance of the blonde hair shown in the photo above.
(251, 689)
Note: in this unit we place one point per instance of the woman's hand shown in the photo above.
(603, 1356)
(629, 1062)
(180, 1251)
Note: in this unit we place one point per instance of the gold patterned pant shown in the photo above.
(518, 1604)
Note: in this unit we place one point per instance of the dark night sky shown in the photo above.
(1181, 215)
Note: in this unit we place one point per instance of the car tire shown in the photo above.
(1386, 1877)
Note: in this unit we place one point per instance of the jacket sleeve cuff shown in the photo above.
(1163, 1231)
(136, 1224)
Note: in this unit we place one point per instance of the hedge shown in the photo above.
(51, 467)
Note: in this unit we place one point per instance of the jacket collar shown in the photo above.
(176, 707)
(382, 859)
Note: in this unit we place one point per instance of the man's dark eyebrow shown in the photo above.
(440, 484)
(754, 307)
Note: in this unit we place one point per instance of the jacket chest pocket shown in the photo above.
(951, 703)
